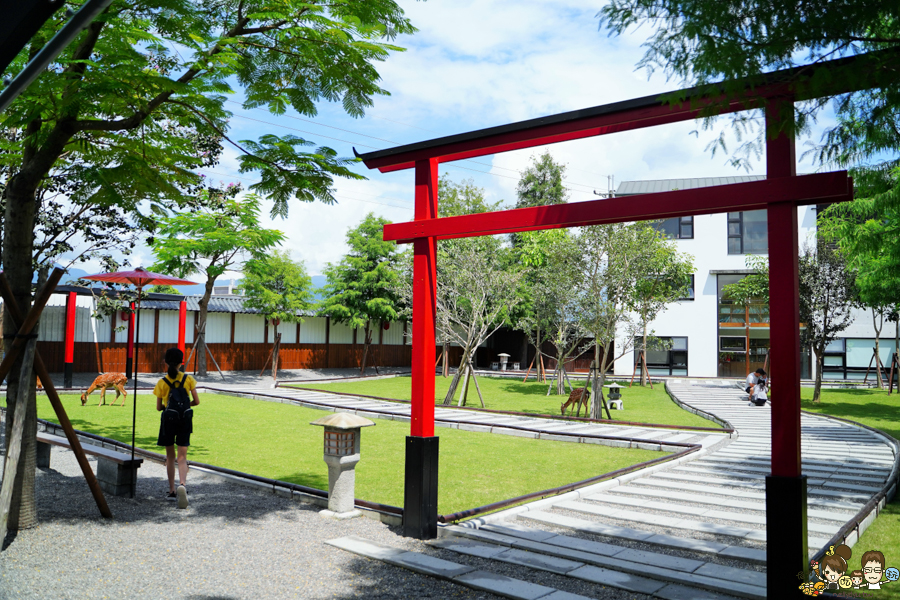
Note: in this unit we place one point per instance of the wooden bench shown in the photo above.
(116, 471)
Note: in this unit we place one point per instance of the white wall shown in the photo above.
(340, 333)
(698, 319)
(248, 329)
(312, 330)
(287, 330)
(393, 336)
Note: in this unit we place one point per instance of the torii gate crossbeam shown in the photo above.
(779, 194)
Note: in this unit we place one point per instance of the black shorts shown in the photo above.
(748, 388)
(180, 436)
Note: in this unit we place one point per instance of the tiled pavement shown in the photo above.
(690, 530)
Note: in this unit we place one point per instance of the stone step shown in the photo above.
(644, 570)
(841, 516)
(451, 571)
(670, 541)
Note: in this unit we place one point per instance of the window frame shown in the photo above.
(669, 364)
(681, 225)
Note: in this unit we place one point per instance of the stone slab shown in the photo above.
(428, 565)
(364, 547)
(542, 562)
(744, 553)
(561, 595)
(686, 543)
(600, 548)
(470, 548)
(587, 526)
(625, 581)
(514, 529)
(756, 578)
(663, 561)
(676, 591)
(504, 586)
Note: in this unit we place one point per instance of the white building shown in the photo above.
(711, 337)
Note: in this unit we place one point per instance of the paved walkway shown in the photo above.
(691, 530)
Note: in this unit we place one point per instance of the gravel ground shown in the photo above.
(232, 542)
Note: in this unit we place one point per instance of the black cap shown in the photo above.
(174, 356)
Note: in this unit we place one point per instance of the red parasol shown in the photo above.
(138, 277)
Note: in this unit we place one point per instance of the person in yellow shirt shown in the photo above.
(175, 424)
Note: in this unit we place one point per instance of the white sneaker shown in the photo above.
(181, 492)
(750, 404)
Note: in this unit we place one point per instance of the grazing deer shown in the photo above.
(104, 381)
(579, 397)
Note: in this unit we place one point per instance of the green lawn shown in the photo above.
(876, 409)
(276, 441)
(642, 405)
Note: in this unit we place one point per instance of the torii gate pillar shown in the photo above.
(421, 481)
(787, 554)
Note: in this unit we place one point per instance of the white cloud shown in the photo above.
(476, 64)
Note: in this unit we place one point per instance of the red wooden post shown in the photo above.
(129, 354)
(420, 494)
(786, 486)
(70, 339)
(182, 322)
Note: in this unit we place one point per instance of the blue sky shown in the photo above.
(476, 64)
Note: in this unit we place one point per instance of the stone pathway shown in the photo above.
(690, 530)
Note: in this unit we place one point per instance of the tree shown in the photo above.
(361, 288)
(700, 41)
(552, 262)
(280, 289)
(163, 289)
(133, 106)
(211, 241)
(475, 293)
(867, 232)
(667, 278)
(541, 184)
(827, 292)
(613, 267)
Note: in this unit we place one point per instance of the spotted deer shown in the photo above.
(104, 381)
(578, 397)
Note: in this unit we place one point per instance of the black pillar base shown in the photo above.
(421, 491)
(128, 368)
(67, 375)
(786, 536)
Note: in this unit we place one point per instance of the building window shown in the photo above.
(665, 362)
(748, 232)
(690, 290)
(679, 228)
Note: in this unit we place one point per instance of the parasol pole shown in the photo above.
(137, 337)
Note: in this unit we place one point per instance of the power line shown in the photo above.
(389, 142)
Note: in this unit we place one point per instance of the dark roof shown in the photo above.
(220, 304)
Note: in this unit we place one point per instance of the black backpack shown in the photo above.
(178, 407)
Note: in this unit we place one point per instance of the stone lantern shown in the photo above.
(504, 358)
(342, 433)
(615, 396)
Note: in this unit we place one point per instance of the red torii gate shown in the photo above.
(780, 194)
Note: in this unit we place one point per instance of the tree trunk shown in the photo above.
(875, 324)
(464, 395)
(275, 349)
(445, 371)
(367, 337)
(448, 399)
(644, 369)
(538, 363)
(18, 246)
(820, 362)
(201, 327)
